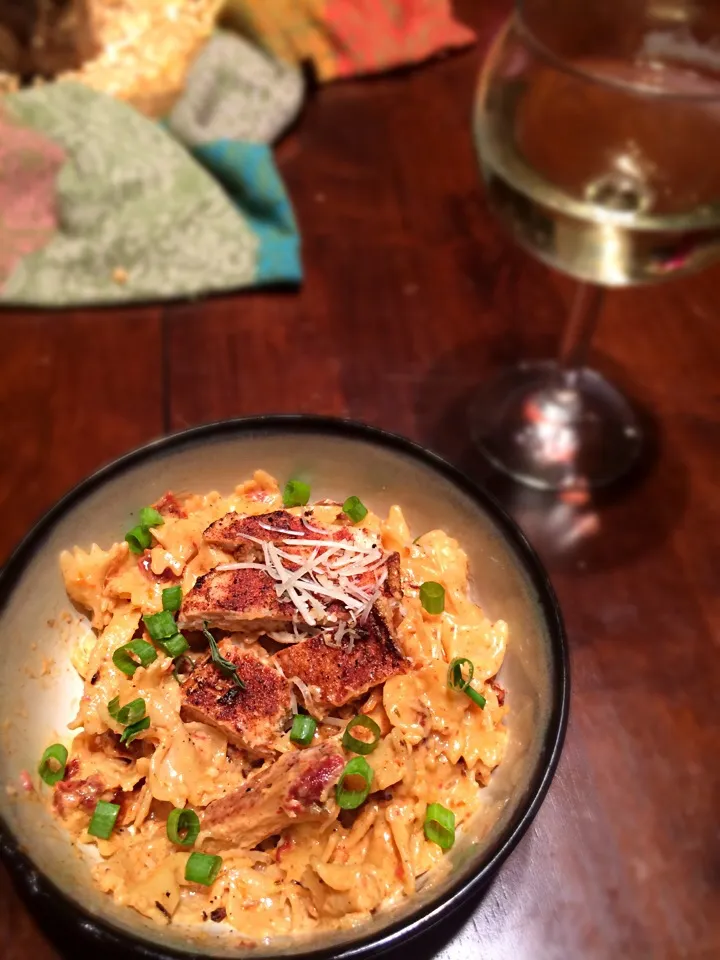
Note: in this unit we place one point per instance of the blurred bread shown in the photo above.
(43, 37)
(146, 48)
(137, 50)
(62, 38)
(17, 23)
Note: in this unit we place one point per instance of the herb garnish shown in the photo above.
(226, 666)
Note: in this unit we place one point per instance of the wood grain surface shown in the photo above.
(412, 296)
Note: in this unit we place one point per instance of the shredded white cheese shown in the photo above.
(348, 572)
(291, 533)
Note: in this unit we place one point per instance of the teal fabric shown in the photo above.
(248, 174)
(237, 100)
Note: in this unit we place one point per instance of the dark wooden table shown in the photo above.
(412, 296)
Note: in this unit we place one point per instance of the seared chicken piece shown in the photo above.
(247, 599)
(242, 600)
(253, 717)
(336, 675)
(295, 789)
(230, 532)
(235, 600)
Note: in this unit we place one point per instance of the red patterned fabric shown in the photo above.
(29, 166)
(341, 38)
(376, 35)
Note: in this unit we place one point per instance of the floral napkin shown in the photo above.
(101, 205)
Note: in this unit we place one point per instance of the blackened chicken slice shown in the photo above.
(295, 789)
(236, 600)
(334, 676)
(253, 716)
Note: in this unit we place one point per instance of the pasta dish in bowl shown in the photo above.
(331, 654)
(289, 710)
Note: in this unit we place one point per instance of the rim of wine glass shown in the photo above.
(703, 218)
(568, 67)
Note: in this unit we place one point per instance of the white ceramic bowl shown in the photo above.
(336, 456)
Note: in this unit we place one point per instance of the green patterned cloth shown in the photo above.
(139, 216)
(99, 205)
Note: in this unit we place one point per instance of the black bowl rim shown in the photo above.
(42, 893)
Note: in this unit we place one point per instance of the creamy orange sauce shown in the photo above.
(437, 745)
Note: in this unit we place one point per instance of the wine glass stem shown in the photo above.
(579, 330)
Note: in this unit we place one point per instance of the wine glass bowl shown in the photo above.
(597, 127)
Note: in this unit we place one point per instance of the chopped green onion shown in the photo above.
(355, 509)
(303, 729)
(160, 625)
(225, 666)
(131, 713)
(432, 596)
(134, 730)
(440, 825)
(361, 746)
(103, 819)
(350, 799)
(138, 539)
(183, 827)
(149, 517)
(202, 868)
(52, 764)
(476, 697)
(172, 598)
(456, 680)
(144, 651)
(174, 646)
(296, 493)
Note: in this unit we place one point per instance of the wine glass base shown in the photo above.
(553, 433)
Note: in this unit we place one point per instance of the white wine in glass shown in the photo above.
(598, 132)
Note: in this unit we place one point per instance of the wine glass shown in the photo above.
(597, 126)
